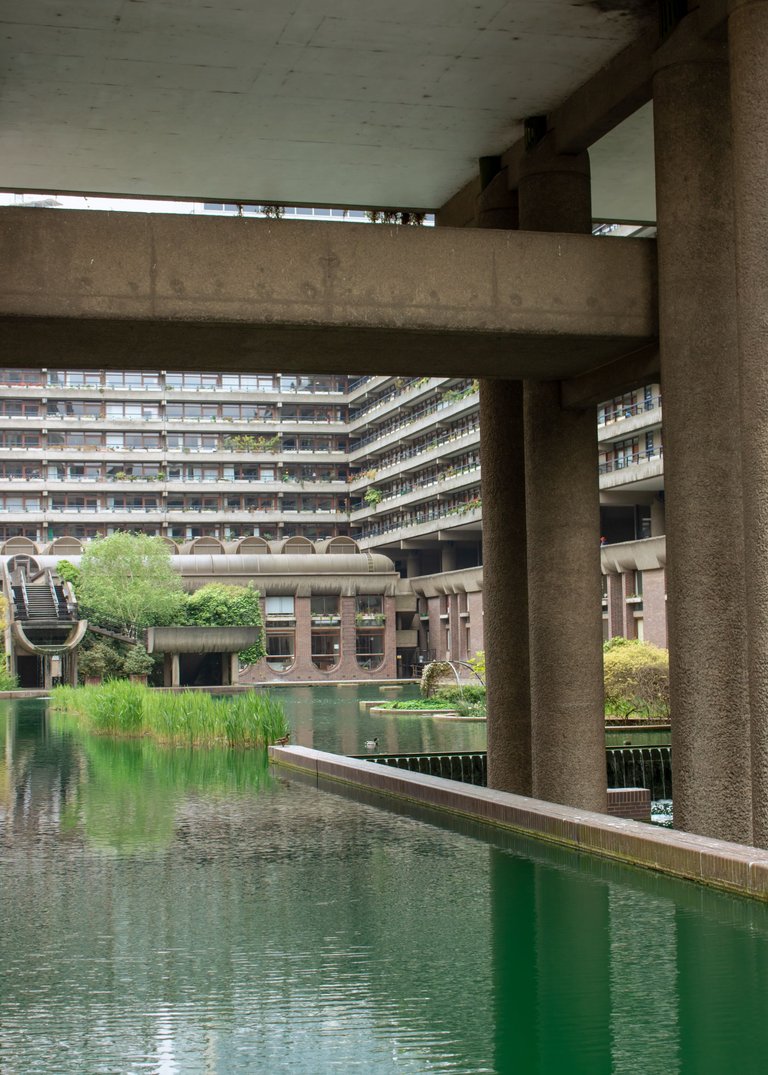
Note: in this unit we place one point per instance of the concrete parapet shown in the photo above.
(718, 863)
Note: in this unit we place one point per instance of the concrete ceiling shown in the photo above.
(346, 102)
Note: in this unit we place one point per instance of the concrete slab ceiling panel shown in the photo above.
(334, 103)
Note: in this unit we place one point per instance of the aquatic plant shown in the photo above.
(469, 701)
(189, 717)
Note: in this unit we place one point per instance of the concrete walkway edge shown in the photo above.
(733, 867)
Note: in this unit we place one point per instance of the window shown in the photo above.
(369, 604)
(19, 408)
(73, 379)
(280, 607)
(20, 471)
(369, 649)
(280, 650)
(74, 408)
(326, 649)
(132, 379)
(10, 439)
(18, 504)
(325, 607)
(21, 378)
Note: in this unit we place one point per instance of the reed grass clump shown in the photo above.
(191, 718)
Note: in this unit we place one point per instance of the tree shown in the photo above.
(128, 579)
(217, 605)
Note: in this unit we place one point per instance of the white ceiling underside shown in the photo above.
(345, 102)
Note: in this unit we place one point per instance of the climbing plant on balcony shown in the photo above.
(245, 442)
(373, 496)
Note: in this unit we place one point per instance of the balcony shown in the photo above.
(642, 469)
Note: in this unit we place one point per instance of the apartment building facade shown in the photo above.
(208, 460)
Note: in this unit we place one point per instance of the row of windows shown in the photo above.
(11, 502)
(172, 472)
(325, 640)
(324, 605)
(186, 412)
(185, 442)
(325, 650)
(180, 532)
(138, 379)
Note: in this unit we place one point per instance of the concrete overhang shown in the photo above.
(310, 103)
(201, 639)
(648, 554)
(67, 644)
(162, 291)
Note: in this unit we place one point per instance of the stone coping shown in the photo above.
(733, 867)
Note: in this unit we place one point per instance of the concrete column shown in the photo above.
(658, 520)
(566, 633)
(175, 677)
(234, 668)
(448, 557)
(554, 191)
(412, 565)
(616, 605)
(748, 46)
(496, 204)
(700, 387)
(505, 590)
(563, 525)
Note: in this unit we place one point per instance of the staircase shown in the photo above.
(41, 606)
(41, 609)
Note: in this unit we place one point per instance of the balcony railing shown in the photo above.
(610, 466)
(629, 410)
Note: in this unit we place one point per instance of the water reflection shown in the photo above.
(189, 912)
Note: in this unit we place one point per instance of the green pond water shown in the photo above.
(180, 912)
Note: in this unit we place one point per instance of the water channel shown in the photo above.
(180, 912)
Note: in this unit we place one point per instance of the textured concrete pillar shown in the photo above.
(748, 41)
(700, 387)
(448, 557)
(175, 677)
(554, 191)
(505, 589)
(616, 605)
(658, 519)
(566, 635)
(497, 204)
(563, 523)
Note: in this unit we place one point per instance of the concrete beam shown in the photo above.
(595, 109)
(606, 99)
(149, 291)
(614, 379)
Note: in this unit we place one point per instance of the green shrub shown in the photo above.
(218, 605)
(636, 677)
(7, 681)
(138, 662)
(100, 660)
